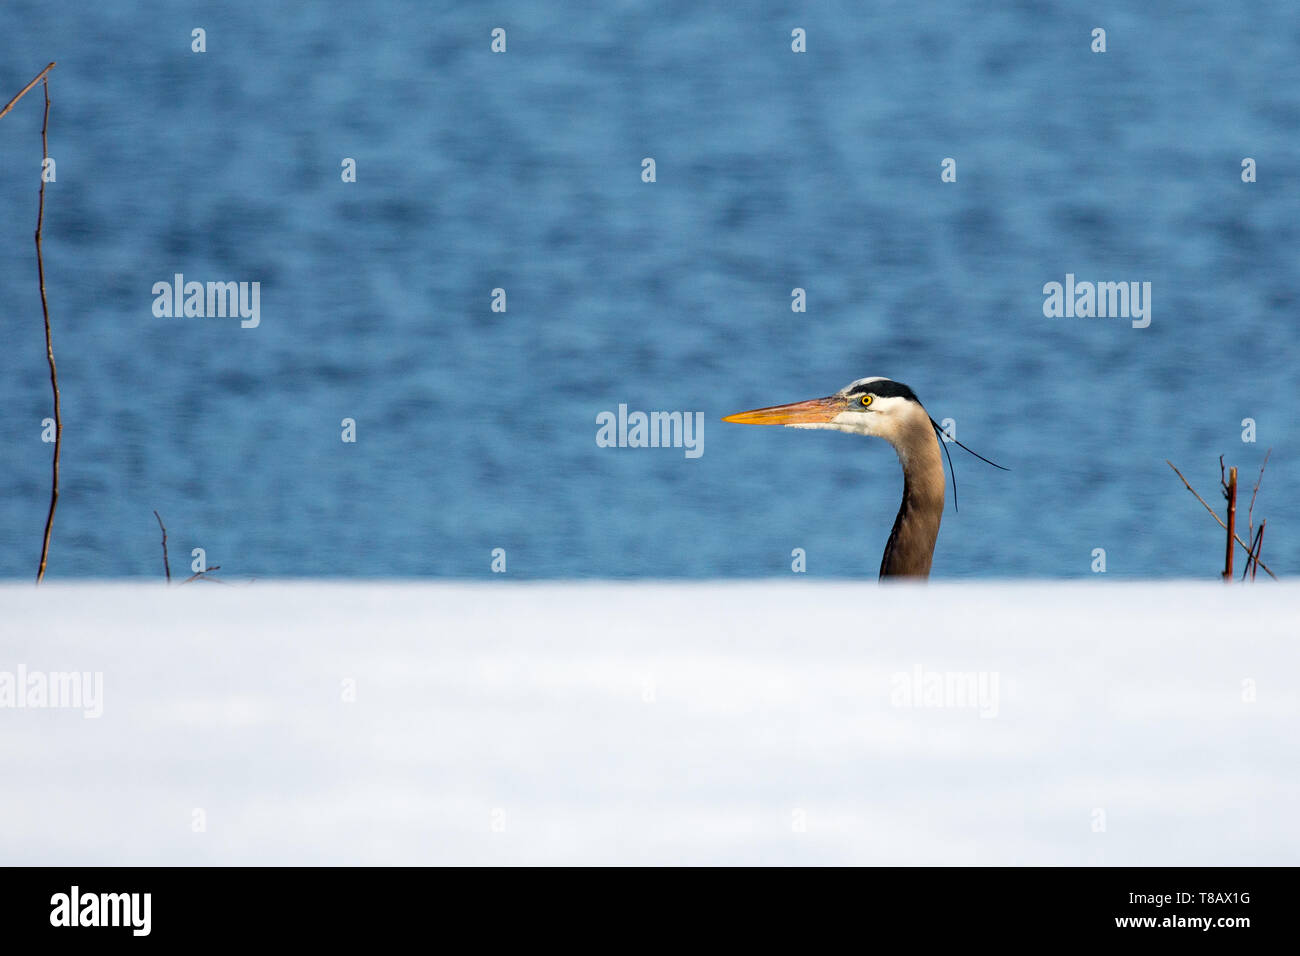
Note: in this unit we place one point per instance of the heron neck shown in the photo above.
(910, 548)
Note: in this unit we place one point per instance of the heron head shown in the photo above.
(870, 406)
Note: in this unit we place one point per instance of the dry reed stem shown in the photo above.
(1216, 517)
(167, 567)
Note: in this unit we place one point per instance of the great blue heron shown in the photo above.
(889, 410)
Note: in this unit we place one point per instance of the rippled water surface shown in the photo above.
(522, 171)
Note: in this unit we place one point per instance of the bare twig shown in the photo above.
(203, 576)
(43, 78)
(166, 564)
(1250, 514)
(1232, 521)
(1256, 541)
(1216, 517)
(197, 576)
(49, 343)
(1259, 547)
(26, 89)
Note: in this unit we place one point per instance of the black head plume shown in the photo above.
(944, 439)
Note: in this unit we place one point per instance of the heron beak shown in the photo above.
(816, 410)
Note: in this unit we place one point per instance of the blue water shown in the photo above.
(476, 430)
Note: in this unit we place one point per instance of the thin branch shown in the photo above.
(166, 564)
(203, 576)
(26, 89)
(49, 343)
(1216, 517)
(1259, 546)
(1256, 543)
(1250, 514)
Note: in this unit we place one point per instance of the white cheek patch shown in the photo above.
(851, 420)
(892, 405)
(854, 418)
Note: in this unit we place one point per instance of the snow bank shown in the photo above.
(766, 722)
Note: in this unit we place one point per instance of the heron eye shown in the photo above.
(867, 400)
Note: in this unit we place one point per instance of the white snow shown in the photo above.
(659, 723)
